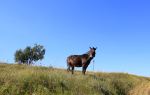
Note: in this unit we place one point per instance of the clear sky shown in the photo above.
(119, 28)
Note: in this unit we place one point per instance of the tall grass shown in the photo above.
(28, 80)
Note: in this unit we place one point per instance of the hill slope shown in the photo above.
(28, 80)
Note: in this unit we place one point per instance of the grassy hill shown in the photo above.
(29, 80)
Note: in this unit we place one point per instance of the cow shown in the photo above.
(80, 60)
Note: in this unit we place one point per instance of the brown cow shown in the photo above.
(81, 60)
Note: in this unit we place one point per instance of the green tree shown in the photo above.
(30, 54)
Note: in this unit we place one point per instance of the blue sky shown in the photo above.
(119, 28)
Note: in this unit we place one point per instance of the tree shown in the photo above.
(19, 56)
(30, 54)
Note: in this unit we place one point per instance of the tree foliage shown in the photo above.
(30, 54)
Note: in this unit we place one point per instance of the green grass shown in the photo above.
(28, 80)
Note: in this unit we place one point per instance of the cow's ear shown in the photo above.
(94, 48)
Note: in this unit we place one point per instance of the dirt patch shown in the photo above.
(142, 89)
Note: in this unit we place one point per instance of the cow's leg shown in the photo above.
(72, 69)
(68, 69)
(83, 70)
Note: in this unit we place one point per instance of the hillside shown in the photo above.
(29, 80)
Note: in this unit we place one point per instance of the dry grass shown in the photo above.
(28, 80)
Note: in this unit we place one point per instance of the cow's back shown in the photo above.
(74, 60)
